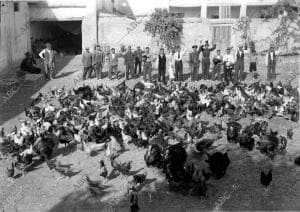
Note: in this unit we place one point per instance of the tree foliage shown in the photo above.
(166, 26)
(243, 26)
(289, 26)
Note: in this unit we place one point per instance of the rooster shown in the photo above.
(122, 168)
(265, 179)
(64, 170)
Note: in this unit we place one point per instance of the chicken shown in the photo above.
(265, 179)
(113, 147)
(233, 131)
(122, 168)
(134, 200)
(297, 161)
(95, 187)
(204, 144)
(103, 169)
(218, 163)
(139, 178)
(91, 148)
(290, 133)
(10, 172)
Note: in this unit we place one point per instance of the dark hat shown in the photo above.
(87, 48)
(194, 46)
(27, 54)
(228, 48)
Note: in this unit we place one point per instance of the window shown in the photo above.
(258, 11)
(235, 11)
(186, 11)
(213, 12)
(16, 7)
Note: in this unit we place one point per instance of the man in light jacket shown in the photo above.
(48, 55)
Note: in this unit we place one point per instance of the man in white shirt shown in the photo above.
(147, 67)
(228, 60)
(178, 64)
(271, 63)
(48, 55)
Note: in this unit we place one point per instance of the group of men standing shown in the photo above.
(139, 61)
(94, 62)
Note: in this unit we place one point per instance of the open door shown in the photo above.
(221, 36)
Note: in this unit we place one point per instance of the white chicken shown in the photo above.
(113, 147)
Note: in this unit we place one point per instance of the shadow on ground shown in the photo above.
(22, 98)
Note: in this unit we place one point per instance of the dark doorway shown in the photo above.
(65, 36)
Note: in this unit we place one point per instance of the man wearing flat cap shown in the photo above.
(195, 62)
(87, 61)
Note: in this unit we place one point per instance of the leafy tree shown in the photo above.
(166, 26)
(243, 26)
(289, 26)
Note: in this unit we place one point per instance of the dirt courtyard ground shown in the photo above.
(41, 190)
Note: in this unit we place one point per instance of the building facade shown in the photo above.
(117, 22)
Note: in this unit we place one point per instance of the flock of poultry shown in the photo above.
(166, 120)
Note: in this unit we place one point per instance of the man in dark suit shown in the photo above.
(87, 61)
(162, 66)
(98, 61)
(194, 62)
(129, 59)
(239, 62)
(271, 63)
(138, 60)
(206, 59)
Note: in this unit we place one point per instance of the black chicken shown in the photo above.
(233, 131)
(10, 172)
(297, 160)
(134, 200)
(218, 163)
(204, 144)
(139, 178)
(265, 179)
